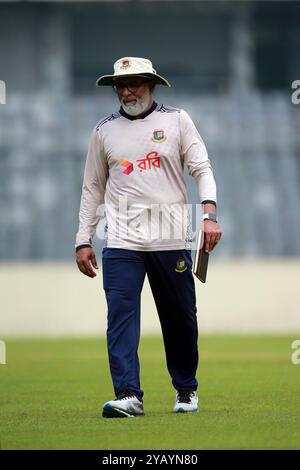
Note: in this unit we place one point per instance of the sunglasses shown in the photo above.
(131, 86)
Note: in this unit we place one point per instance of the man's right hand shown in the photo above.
(86, 260)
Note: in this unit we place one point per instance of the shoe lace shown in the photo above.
(124, 396)
(184, 396)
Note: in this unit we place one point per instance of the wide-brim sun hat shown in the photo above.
(132, 66)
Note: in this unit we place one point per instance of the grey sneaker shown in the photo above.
(186, 401)
(123, 406)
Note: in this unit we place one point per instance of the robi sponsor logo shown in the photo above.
(151, 160)
(127, 165)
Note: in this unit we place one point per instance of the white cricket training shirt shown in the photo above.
(135, 170)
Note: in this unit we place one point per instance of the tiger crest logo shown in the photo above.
(125, 64)
(158, 136)
(181, 266)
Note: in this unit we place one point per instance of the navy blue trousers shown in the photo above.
(172, 284)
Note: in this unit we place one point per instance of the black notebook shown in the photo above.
(201, 258)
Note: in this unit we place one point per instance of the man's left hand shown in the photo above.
(213, 234)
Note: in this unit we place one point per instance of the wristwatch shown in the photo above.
(210, 216)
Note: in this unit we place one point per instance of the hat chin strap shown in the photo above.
(139, 107)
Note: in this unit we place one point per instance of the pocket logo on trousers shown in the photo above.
(181, 266)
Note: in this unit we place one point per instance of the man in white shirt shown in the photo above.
(134, 169)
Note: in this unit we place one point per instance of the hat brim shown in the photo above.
(110, 80)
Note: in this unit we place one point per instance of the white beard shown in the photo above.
(139, 106)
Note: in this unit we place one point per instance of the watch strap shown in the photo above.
(210, 216)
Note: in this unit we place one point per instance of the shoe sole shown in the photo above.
(181, 410)
(110, 412)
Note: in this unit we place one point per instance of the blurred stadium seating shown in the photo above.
(50, 55)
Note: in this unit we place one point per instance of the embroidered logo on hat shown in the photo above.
(125, 64)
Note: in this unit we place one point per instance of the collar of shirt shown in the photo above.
(139, 116)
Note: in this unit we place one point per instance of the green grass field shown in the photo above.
(52, 391)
